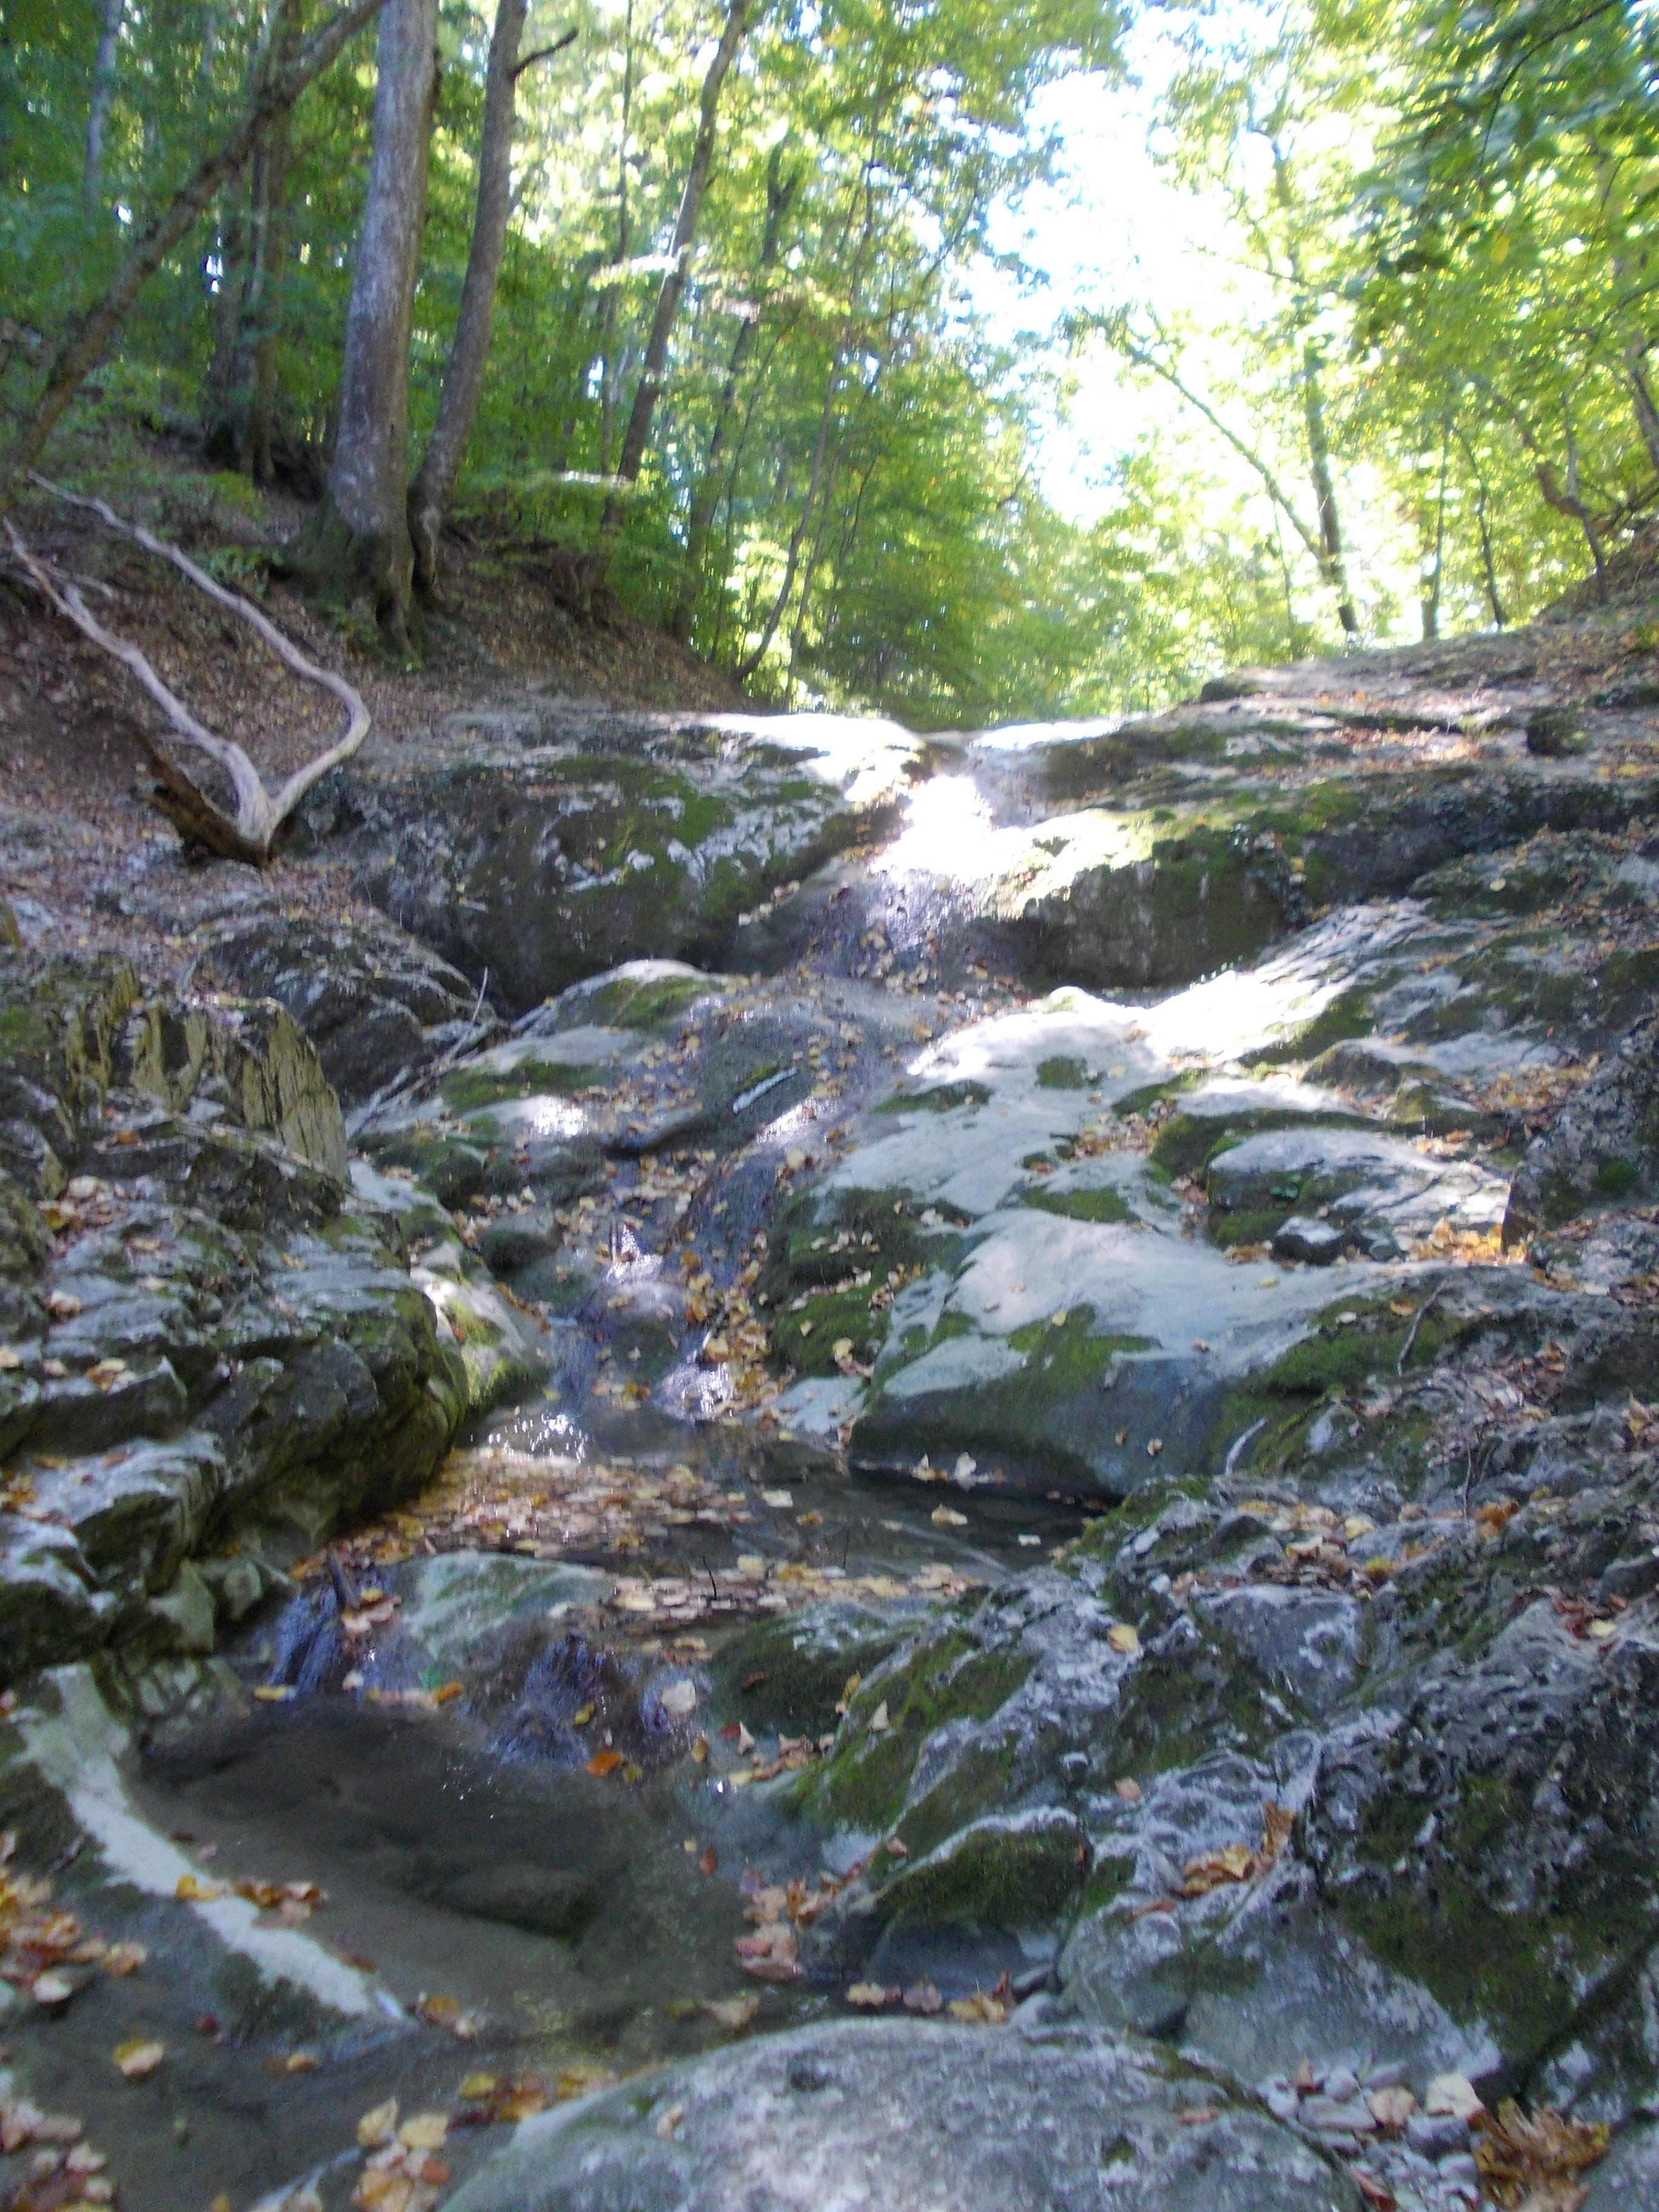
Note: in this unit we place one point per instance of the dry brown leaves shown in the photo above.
(1534, 2160)
(776, 1910)
(37, 1943)
(499, 1500)
(291, 1904)
(653, 1605)
(1237, 1863)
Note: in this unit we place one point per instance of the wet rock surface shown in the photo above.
(787, 1459)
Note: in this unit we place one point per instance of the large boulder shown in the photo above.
(945, 2119)
(378, 1006)
(539, 864)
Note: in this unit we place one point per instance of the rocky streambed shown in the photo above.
(790, 1465)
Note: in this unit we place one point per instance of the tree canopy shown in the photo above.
(1435, 362)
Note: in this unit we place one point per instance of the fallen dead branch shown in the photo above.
(251, 833)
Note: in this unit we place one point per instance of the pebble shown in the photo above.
(1438, 2136)
(1340, 2083)
(1460, 2167)
(1347, 2117)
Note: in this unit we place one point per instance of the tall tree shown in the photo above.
(358, 540)
(89, 330)
(649, 387)
(780, 191)
(240, 417)
(103, 66)
(433, 483)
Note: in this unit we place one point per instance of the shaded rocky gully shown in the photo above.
(839, 1468)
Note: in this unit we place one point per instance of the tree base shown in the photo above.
(336, 565)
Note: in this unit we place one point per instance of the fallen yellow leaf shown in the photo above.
(139, 2057)
(192, 1890)
(1124, 1639)
(377, 2127)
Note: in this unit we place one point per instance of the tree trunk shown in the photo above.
(241, 383)
(1434, 568)
(86, 336)
(102, 99)
(1641, 393)
(607, 316)
(263, 311)
(747, 667)
(646, 393)
(358, 539)
(434, 480)
(705, 499)
(1494, 599)
(1319, 461)
(219, 387)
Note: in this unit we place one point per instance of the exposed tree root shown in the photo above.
(250, 834)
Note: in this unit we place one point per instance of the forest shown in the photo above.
(828, 1106)
(690, 301)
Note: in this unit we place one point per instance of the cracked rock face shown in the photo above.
(208, 1341)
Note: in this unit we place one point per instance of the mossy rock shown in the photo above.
(1014, 1875)
(1187, 1142)
(1043, 1426)
(451, 1168)
(1060, 1073)
(790, 1674)
(469, 1089)
(801, 1254)
(651, 995)
(948, 1676)
(1347, 1016)
(1193, 1699)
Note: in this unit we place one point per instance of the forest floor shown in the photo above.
(70, 720)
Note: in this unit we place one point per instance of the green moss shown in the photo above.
(945, 1099)
(1068, 1349)
(1617, 1178)
(1348, 1015)
(1102, 1538)
(1340, 1355)
(994, 1877)
(1103, 1203)
(1043, 1419)
(1179, 1706)
(807, 1339)
(863, 1781)
(977, 1782)
(1187, 1143)
(1152, 1094)
(797, 1670)
(1061, 1075)
(452, 1171)
(1523, 1972)
(660, 1004)
(469, 1089)
(472, 1328)
(804, 1234)
(1229, 1228)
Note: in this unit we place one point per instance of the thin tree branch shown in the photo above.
(545, 54)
